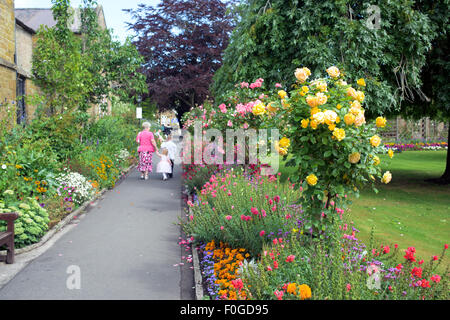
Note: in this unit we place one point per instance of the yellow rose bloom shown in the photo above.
(282, 94)
(376, 160)
(314, 124)
(319, 117)
(305, 89)
(380, 122)
(339, 107)
(312, 101)
(304, 292)
(258, 109)
(391, 153)
(361, 82)
(330, 116)
(305, 123)
(315, 110)
(387, 177)
(354, 157)
(349, 119)
(320, 85)
(360, 96)
(284, 104)
(351, 92)
(375, 141)
(285, 142)
(331, 127)
(360, 119)
(311, 179)
(333, 72)
(339, 134)
(302, 74)
(322, 98)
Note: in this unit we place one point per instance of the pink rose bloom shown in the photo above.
(245, 126)
(278, 85)
(228, 218)
(223, 108)
(230, 124)
(262, 233)
(290, 258)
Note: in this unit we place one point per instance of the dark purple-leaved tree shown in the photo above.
(182, 42)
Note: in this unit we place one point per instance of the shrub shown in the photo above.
(32, 222)
(243, 211)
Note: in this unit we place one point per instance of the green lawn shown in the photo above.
(408, 211)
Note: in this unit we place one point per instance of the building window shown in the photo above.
(21, 107)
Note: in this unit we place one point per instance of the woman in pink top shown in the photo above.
(147, 146)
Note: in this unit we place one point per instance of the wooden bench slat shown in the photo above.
(5, 235)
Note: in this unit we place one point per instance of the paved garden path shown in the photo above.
(125, 247)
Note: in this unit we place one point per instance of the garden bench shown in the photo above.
(7, 237)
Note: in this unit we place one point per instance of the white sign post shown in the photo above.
(138, 113)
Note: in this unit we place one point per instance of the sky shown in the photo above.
(115, 17)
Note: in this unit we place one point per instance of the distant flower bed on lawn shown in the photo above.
(416, 146)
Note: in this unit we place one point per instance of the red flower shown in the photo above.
(290, 258)
(446, 246)
(386, 250)
(436, 278)
(410, 254)
(425, 283)
(435, 258)
(417, 272)
(237, 284)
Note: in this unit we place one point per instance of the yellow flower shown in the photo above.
(311, 179)
(360, 119)
(304, 291)
(376, 160)
(339, 107)
(282, 151)
(322, 98)
(330, 116)
(339, 134)
(315, 110)
(302, 74)
(312, 101)
(305, 89)
(319, 117)
(320, 85)
(305, 123)
(271, 107)
(387, 177)
(351, 92)
(314, 124)
(333, 72)
(331, 127)
(259, 109)
(285, 142)
(380, 122)
(375, 141)
(282, 94)
(360, 96)
(354, 157)
(284, 104)
(291, 288)
(391, 153)
(361, 82)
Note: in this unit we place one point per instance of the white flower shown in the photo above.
(4, 166)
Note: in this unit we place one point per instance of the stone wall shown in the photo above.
(7, 51)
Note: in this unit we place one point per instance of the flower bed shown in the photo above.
(301, 245)
(399, 147)
(34, 173)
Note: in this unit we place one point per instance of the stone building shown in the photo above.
(8, 69)
(18, 28)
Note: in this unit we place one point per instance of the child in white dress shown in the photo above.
(164, 165)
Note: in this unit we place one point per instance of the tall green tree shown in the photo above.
(397, 46)
(76, 72)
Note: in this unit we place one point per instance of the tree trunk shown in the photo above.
(446, 176)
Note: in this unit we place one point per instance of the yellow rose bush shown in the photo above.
(332, 143)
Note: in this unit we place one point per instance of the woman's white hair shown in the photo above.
(146, 125)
